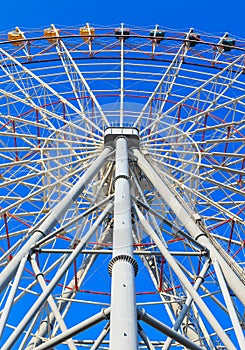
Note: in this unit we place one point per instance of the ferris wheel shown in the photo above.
(122, 179)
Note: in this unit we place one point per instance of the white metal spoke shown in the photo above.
(46, 86)
(213, 104)
(71, 67)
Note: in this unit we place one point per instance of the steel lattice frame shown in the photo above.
(122, 189)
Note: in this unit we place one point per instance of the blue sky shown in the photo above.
(205, 15)
(210, 15)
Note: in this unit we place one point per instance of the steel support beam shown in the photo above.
(11, 296)
(123, 329)
(189, 223)
(67, 294)
(53, 217)
(101, 337)
(185, 282)
(145, 338)
(43, 297)
(142, 315)
(187, 305)
(52, 304)
(90, 322)
(232, 312)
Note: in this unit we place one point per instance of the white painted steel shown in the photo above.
(230, 306)
(75, 330)
(204, 309)
(123, 321)
(65, 97)
(52, 304)
(186, 307)
(43, 297)
(188, 221)
(10, 300)
(53, 217)
(101, 337)
(67, 295)
(163, 328)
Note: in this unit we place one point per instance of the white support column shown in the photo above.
(52, 304)
(52, 218)
(142, 315)
(232, 312)
(49, 344)
(185, 282)
(67, 294)
(43, 297)
(123, 267)
(10, 300)
(186, 307)
(189, 223)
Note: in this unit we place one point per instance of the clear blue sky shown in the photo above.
(213, 16)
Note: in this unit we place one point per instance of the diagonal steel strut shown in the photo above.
(180, 210)
(52, 218)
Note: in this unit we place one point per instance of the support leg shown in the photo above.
(52, 218)
(167, 330)
(43, 297)
(52, 303)
(185, 282)
(11, 296)
(189, 223)
(101, 337)
(187, 305)
(74, 330)
(230, 306)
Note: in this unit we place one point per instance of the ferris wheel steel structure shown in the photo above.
(122, 189)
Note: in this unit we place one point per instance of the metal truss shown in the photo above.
(122, 189)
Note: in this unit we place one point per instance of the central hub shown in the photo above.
(132, 135)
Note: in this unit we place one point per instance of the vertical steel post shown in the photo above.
(52, 303)
(122, 267)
